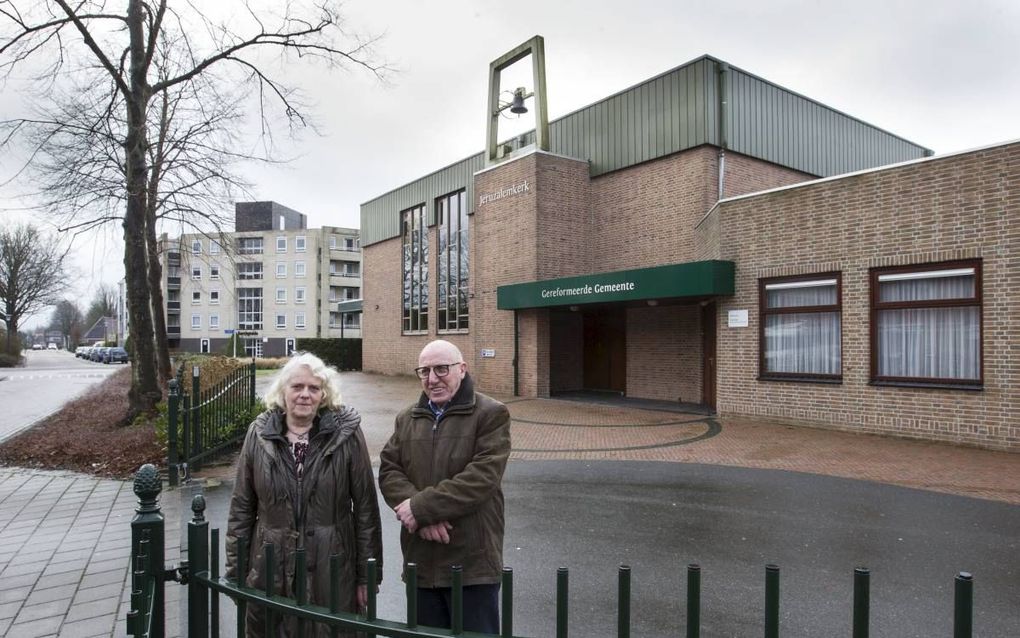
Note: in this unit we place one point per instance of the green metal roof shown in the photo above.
(692, 279)
(678, 110)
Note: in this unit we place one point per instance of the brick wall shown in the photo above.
(664, 353)
(565, 225)
(962, 206)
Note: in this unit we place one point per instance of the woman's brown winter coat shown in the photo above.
(331, 510)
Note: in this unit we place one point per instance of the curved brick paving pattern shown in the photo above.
(544, 429)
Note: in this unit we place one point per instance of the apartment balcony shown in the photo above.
(173, 282)
(347, 275)
(171, 306)
(173, 331)
(173, 259)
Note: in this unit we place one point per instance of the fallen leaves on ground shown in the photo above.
(86, 436)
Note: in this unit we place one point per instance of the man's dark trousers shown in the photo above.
(481, 607)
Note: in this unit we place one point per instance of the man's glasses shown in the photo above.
(440, 370)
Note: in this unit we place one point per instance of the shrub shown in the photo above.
(343, 354)
(270, 363)
(9, 360)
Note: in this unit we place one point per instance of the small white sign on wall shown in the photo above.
(738, 318)
(488, 353)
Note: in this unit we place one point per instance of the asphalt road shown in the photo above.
(49, 379)
(658, 517)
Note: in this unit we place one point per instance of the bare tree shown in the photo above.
(67, 318)
(141, 57)
(32, 275)
(103, 304)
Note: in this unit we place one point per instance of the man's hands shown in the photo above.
(362, 597)
(406, 516)
(437, 533)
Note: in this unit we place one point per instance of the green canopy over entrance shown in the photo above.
(692, 279)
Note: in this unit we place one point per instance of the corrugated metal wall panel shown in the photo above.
(380, 218)
(773, 124)
(673, 112)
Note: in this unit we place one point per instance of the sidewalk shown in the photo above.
(65, 538)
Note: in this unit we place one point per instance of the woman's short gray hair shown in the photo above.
(328, 375)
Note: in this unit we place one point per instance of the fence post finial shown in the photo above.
(147, 487)
(198, 508)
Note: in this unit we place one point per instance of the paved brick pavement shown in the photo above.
(65, 539)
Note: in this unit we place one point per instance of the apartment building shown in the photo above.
(271, 282)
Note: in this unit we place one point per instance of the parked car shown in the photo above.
(97, 353)
(80, 351)
(115, 355)
(52, 346)
(37, 346)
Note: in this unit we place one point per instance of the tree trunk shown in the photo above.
(145, 391)
(12, 334)
(155, 276)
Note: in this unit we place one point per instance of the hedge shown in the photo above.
(342, 354)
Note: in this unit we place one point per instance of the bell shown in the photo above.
(517, 105)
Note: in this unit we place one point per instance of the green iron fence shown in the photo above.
(205, 585)
(202, 423)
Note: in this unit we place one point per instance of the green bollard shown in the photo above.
(457, 606)
(862, 602)
(771, 601)
(411, 576)
(508, 603)
(623, 602)
(963, 615)
(562, 576)
(373, 578)
(693, 600)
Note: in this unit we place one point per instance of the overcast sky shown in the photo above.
(940, 73)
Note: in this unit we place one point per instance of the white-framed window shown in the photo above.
(350, 243)
(196, 297)
(926, 324)
(249, 270)
(281, 320)
(332, 242)
(249, 309)
(299, 295)
(801, 327)
(281, 270)
(214, 247)
(281, 244)
(196, 246)
(299, 321)
(281, 295)
(214, 321)
(299, 244)
(196, 322)
(196, 272)
(299, 269)
(214, 297)
(249, 245)
(214, 271)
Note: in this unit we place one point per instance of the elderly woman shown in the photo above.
(304, 480)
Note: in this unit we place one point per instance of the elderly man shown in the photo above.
(441, 472)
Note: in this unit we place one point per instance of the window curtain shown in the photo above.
(802, 343)
(934, 343)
